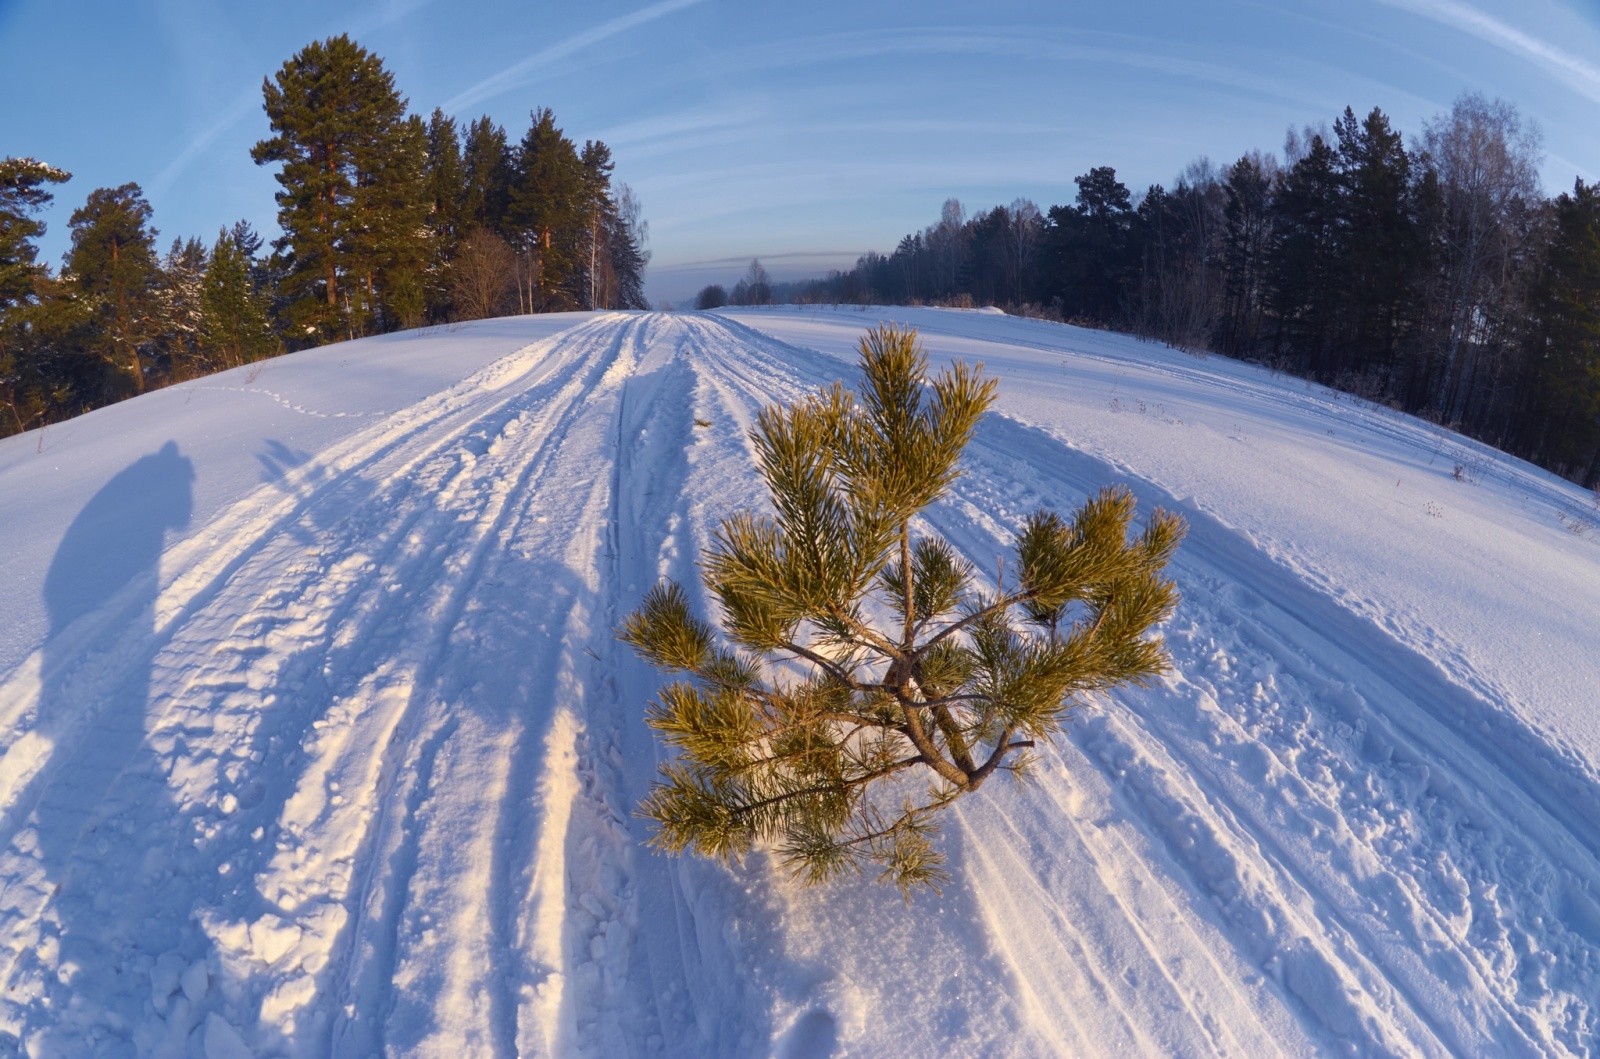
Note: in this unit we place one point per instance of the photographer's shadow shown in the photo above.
(100, 594)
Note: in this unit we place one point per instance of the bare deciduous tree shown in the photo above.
(1486, 160)
(484, 274)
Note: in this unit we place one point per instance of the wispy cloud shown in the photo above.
(521, 73)
(1030, 45)
(1581, 74)
(242, 105)
(378, 16)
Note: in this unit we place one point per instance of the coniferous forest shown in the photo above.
(389, 221)
(1435, 278)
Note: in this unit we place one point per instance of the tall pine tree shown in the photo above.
(1089, 247)
(25, 385)
(113, 264)
(341, 139)
(22, 195)
(1304, 263)
(1382, 247)
(486, 176)
(1246, 242)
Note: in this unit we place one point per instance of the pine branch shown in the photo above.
(825, 788)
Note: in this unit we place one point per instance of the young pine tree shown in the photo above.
(860, 652)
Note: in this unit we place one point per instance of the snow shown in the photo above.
(315, 738)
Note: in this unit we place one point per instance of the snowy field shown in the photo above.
(315, 740)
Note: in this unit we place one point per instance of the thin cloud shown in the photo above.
(1118, 49)
(240, 107)
(379, 16)
(1579, 73)
(521, 73)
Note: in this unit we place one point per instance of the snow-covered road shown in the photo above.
(339, 758)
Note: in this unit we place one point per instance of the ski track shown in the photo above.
(356, 776)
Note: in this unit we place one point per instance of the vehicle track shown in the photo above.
(1293, 904)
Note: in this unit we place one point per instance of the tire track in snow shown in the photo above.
(560, 898)
(1112, 945)
(1291, 901)
(874, 1001)
(423, 454)
(1347, 967)
(509, 463)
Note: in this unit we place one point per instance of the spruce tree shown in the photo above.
(545, 214)
(182, 344)
(626, 238)
(859, 652)
(234, 316)
(486, 175)
(446, 191)
(389, 251)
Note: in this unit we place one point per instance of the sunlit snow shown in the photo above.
(315, 738)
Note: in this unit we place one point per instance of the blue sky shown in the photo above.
(803, 134)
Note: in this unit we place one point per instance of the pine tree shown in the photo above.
(234, 315)
(26, 385)
(909, 667)
(1089, 247)
(113, 264)
(22, 195)
(1246, 241)
(340, 136)
(1381, 247)
(598, 209)
(389, 243)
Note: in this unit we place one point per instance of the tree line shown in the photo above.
(1435, 277)
(389, 221)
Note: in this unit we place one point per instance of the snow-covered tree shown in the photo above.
(858, 650)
